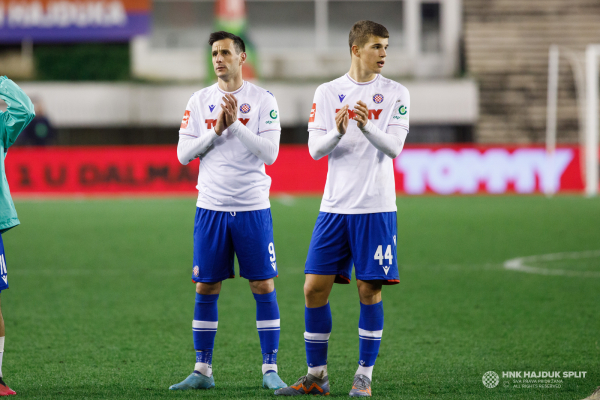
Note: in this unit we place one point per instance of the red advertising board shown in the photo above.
(155, 170)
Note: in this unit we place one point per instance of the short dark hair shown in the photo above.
(362, 30)
(240, 47)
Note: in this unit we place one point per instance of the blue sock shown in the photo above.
(370, 327)
(204, 327)
(318, 328)
(267, 323)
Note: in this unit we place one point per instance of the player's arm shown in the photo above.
(265, 145)
(191, 145)
(390, 142)
(320, 141)
(19, 112)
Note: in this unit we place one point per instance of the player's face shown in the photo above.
(373, 53)
(226, 61)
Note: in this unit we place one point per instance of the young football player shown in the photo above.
(361, 122)
(233, 127)
(18, 114)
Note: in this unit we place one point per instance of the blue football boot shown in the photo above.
(272, 381)
(195, 381)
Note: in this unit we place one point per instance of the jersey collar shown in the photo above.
(237, 91)
(363, 83)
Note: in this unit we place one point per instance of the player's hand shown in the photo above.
(220, 126)
(229, 108)
(341, 120)
(361, 114)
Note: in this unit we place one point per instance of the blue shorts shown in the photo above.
(218, 234)
(3, 275)
(366, 240)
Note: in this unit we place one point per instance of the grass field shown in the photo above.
(101, 301)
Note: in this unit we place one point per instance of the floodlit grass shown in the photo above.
(101, 301)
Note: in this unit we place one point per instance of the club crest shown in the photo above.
(377, 98)
(245, 108)
(196, 271)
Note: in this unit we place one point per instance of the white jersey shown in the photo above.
(360, 178)
(231, 178)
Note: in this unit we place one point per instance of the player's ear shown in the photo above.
(355, 50)
(243, 57)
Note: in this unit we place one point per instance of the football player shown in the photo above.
(360, 121)
(233, 127)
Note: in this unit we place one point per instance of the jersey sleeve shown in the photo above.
(19, 112)
(268, 117)
(190, 124)
(317, 119)
(400, 114)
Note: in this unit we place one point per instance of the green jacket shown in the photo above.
(12, 122)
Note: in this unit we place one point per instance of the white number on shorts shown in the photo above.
(272, 251)
(388, 254)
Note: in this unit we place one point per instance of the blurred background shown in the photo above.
(119, 72)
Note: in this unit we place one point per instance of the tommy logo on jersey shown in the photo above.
(342, 97)
(185, 120)
(245, 108)
(373, 114)
(211, 123)
(211, 108)
(313, 112)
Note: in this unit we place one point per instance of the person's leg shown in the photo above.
(370, 325)
(212, 263)
(4, 389)
(267, 321)
(318, 323)
(252, 237)
(206, 320)
(373, 243)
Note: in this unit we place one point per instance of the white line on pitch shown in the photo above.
(519, 264)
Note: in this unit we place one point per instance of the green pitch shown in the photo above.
(101, 302)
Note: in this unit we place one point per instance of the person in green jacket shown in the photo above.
(19, 113)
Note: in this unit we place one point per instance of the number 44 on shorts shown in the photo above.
(388, 256)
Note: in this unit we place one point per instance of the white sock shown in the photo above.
(1, 353)
(204, 368)
(320, 371)
(269, 367)
(366, 371)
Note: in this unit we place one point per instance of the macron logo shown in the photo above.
(211, 108)
(274, 265)
(342, 97)
(386, 269)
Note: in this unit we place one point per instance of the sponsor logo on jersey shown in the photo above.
(211, 123)
(185, 120)
(245, 108)
(273, 114)
(373, 114)
(403, 110)
(377, 98)
(386, 268)
(211, 108)
(313, 112)
(196, 271)
(342, 97)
